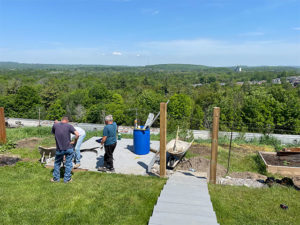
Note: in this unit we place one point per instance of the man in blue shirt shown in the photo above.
(109, 140)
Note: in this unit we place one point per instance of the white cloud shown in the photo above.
(152, 12)
(117, 53)
(296, 28)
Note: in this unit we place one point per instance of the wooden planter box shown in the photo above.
(282, 170)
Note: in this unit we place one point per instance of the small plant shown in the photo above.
(269, 140)
(285, 163)
(7, 146)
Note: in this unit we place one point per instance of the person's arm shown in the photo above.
(105, 134)
(53, 129)
(103, 140)
(76, 133)
(76, 137)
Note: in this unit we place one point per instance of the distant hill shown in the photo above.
(177, 67)
(158, 67)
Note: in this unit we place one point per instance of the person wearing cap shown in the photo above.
(109, 140)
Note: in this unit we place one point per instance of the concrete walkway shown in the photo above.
(184, 200)
(125, 160)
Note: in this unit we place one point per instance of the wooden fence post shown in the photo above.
(163, 139)
(214, 146)
(2, 127)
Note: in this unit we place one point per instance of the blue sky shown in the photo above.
(141, 32)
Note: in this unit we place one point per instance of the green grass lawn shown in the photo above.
(243, 205)
(241, 162)
(28, 197)
(261, 206)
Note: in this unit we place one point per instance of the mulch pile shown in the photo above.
(28, 142)
(8, 160)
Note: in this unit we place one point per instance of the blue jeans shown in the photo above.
(77, 148)
(68, 165)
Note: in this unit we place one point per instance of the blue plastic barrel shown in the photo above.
(141, 141)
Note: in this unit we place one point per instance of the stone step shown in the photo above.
(186, 188)
(184, 200)
(175, 194)
(162, 218)
(190, 181)
(197, 210)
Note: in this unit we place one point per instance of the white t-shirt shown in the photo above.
(80, 131)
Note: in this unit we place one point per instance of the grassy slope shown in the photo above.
(28, 197)
(243, 205)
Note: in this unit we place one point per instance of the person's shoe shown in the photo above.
(54, 181)
(102, 169)
(111, 170)
(69, 181)
(76, 165)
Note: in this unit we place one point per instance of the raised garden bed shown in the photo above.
(284, 165)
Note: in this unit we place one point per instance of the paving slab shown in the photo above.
(188, 201)
(184, 200)
(201, 210)
(162, 218)
(125, 160)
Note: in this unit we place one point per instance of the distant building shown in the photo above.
(295, 81)
(276, 81)
(239, 83)
(222, 84)
(197, 85)
(261, 82)
(238, 69)
(253, 82)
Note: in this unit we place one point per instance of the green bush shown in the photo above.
(269, 140)
(8, 146)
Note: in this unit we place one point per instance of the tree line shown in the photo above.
(87, 93)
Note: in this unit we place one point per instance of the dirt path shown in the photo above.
(28, 142)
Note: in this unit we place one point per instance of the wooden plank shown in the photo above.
(214, 146)
(163, 139)
(2, 127)
(285, 171)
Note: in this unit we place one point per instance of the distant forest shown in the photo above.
(86, 93)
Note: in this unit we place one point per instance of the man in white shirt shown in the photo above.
(77, 144)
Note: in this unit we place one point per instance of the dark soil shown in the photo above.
(200, 150)
(203, 150)
(200, 164)
(289, 161)
(7, 160)
(28, 142)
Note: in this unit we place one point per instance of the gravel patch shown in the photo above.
(240, 182)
